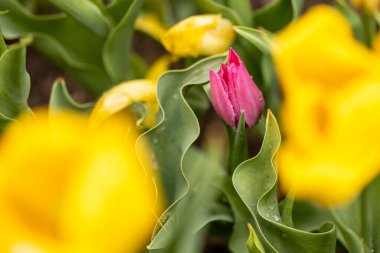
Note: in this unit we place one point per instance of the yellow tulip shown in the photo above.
(199, 35)
(331, 87)
(65, 189)
(121, 96)
(151, 25)
(369, 5)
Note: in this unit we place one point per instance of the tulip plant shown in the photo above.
(252, 128)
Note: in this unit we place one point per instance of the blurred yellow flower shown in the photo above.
(331, 86)
(370, 5)
(199, 35)
(125, 94)
(151, 25)
(65, 189)
(121, 96)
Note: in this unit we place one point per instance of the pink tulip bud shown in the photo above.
(233, 92)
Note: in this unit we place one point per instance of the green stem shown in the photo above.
(238, 151)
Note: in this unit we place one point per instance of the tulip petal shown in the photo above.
(251, 99)
(231, 86)
(220, 99)
(233, 58)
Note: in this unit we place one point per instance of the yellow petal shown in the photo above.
(74, 190)
(199, 35)
(151, 25)
(318, 44)
(122, 96)
(331, 89)
(160, 66)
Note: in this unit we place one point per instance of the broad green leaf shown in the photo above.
(14, 83)
(66, 41)
(179, 127)
(276, 15)
(255, 181)
(61, 99)
(118, 9)
(117, 47)
(170, 140)
(211, 6)
(85, 12)
(260, 38)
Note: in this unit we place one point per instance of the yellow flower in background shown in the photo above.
(125, 94)
(370, 5)
(331, 86)
(151, 25)
(199, 35)
(66, 189)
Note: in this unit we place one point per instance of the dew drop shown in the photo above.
(284, 235)
(271, 207)
(155, 140)
(175, 96)
(276, 218)
(267, 214)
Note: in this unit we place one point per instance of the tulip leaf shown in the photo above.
(259, 38)
(214, 7)
(117, 47)
(179, 127)
(271, 89)
(14, 83)
(118, 9)
(277, 14)
(254, 245)
(353, 17)
(85, 12)
(242, 216)
(3, 46)
(287, 211)
(66, 41)
(358, 222)
(183, 230)
(61, 99)
(243, 7)
(255, 181)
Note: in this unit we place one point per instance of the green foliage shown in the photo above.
(179, 127)
(61, 99)
(256, 183)
(14, 82)
(277, 14)
(89, 46)
(358, 222)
